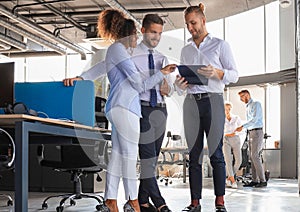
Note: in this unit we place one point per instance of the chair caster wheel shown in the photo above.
(72, 202)
(59, 209)
(44, 206)
(9, 203)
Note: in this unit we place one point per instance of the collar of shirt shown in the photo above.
(205, 40)
(140, 56)
(145, 48)
(249, 102)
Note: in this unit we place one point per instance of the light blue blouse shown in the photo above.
(125, 81)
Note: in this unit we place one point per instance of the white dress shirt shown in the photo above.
(215, 52)
(230, 126)
(140, 59)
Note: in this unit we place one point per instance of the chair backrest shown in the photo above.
(175, 140)
(83, 154)
(101, 120)
(7, 152)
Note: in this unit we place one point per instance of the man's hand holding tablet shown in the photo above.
(211, 72)
(191, 74)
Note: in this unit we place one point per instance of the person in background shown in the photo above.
(123, 108)
(154, 113)
(203, 108)
(254, 126)
(231, 145)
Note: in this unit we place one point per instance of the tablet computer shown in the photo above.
(189, 72)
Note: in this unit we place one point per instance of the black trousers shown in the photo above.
(201, 117)
(153, 126)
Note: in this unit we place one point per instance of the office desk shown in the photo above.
(25, 126)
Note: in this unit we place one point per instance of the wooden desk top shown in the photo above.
(9, 120)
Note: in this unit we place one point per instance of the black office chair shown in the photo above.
(7, 160)
(101, 120)
(80, 159)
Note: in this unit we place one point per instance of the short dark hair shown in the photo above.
(244, 91)
(152, 19)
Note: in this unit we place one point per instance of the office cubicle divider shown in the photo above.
(54, 100)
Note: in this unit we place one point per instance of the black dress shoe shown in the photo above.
(192, 208)
(220, 208)
(150, 208)
(165, 209)
(251, 184)
(261, 184)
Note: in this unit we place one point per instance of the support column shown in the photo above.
(297, 15)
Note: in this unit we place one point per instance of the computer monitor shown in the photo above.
(7, 71)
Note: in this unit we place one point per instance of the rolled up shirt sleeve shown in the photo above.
(229, 67)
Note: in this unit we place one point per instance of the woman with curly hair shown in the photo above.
(123, 108)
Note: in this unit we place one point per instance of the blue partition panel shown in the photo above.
(75, 103)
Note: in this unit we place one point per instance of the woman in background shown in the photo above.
(231, 144)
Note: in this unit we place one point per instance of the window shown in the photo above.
(245, 34)
(272, 38)
(42, 69)
(216, 28)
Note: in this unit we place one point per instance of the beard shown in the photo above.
(197, 34)
(151, 42)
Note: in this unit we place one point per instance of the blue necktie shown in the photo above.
(153, 96)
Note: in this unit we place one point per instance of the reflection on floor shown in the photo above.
(279, 195)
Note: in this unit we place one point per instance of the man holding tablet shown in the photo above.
(203, 108)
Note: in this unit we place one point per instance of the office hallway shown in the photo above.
(279, 195)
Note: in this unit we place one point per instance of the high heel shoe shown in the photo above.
(112, 205)
(132, 206)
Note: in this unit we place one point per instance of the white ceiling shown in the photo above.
(31, 27)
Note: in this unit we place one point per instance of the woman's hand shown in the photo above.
(230, 134)
(70, 81)
(168, 69)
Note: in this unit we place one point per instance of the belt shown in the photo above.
(147, 104)
(260, 128)
(198, 96)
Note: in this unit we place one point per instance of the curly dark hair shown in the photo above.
(112, 24)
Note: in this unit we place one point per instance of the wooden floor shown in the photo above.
(279, 195)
